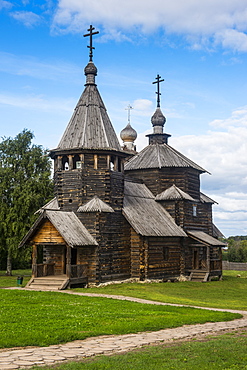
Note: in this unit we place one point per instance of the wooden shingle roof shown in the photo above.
(52, 205)
(173, 193)
(67, 224)
(145, 215)
(205, 238)
(159, 156)
(90, 126)
(205, 199)
(95, 205)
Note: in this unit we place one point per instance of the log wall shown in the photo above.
(163, 264)
(158, 180)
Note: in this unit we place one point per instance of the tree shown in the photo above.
(25, 185)
(237, 249)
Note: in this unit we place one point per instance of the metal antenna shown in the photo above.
(158, 78)
(90, 34)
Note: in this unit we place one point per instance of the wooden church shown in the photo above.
(118, 214)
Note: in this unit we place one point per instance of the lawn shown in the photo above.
(10, 281)
(29, 318)
(229, 293)
(226, 352)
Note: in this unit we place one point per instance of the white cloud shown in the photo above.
(29, 19)
(224, 22)
(5, 5)
(232, 39)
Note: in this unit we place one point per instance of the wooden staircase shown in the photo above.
(199, 275)
(54, 282)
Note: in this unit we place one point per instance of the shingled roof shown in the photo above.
(145, 215)
(159, 156)
(90, 126)
(67, 224)
(95, 205)
(205, 238)
(173, 193)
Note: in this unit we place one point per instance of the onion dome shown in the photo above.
(158, 120)
(128, 135)
(90, 72)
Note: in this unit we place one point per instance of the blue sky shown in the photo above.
(199, 48)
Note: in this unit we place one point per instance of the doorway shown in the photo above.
(195, 259)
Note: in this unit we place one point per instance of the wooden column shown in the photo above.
(68, 265)
(70, 162)
(208, 258)
(116, 163)
(34, 261)
(95, 157)
(108, 161)
(82, 160)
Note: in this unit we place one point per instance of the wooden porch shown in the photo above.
(44, 277)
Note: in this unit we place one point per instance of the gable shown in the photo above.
(68, 229)
(47, 233)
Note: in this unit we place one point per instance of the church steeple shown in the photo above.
(90, 126)
(89, 152)
(158, 119)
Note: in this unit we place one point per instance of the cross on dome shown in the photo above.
(158, 78)
(129, 107)
(90, 34)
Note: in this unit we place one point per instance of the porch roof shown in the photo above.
(67, 224)
(145, 215)
(205, 238)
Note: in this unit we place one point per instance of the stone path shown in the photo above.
(24, 358)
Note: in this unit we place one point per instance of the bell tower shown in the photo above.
(88, 161)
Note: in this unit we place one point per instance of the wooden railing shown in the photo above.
(215, 265)
(44, 269)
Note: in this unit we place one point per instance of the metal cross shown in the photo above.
(91, 33)
(129, 109)
(158, 78)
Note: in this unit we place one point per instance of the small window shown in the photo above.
(194, 210)
(78, 165)
(165, 253)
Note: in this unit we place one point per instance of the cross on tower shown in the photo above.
(158, 78)
(129, 107)
(91, 33)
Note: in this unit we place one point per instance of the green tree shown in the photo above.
(237, 249)
(25, 185)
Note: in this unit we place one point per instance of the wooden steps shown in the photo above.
(199, 275)
(56, 282)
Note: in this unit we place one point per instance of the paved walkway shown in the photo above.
(25, 358)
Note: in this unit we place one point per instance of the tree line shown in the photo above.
(25, 186)
(237, 249)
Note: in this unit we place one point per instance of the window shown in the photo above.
(165, 253)
(65, 163)
(76, 162)
(194, 210)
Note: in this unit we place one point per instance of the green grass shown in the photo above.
(229, 293)
(10, 281)
(29, 318)
(226, 352)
